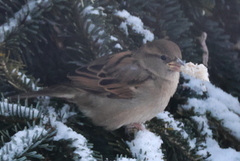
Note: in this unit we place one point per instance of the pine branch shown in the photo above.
(18, 111)
(94, 23)
(10, 72)
(223, 134)
(23, 144)
(219, 20)
(54, 37)
(39, 144)
(28, 36)
(10, 31)
(167, 20)
(178, 143)
(212, 113)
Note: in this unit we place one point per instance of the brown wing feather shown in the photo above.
(112, 75)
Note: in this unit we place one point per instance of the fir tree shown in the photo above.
(41, 41)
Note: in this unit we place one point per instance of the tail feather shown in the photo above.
(60, 91)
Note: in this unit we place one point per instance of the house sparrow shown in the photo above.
(124, 88)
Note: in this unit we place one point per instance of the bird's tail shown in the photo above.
(61, 91)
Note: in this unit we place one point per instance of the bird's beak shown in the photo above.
(176, 65)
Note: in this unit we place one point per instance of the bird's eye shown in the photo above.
(163, 57)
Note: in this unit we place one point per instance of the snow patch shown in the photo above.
(126, 159)
(212, 146)
(118, 46)
(146, 146)
(20, 142)
(79, 142)
(220, 105)
(24, 13)
(93, 11)
(176, 125)
(7, 109)
(82, 152)
(135, 23)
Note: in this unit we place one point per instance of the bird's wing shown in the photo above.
(113, 75)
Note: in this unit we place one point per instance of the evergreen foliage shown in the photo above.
(45, 39)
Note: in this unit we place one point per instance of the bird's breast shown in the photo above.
(148, 101)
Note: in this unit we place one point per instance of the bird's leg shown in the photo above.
(134, 127)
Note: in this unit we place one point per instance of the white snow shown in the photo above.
(135, 23)
(222, 106)
(217, 153)
(24, 78)
(65, 113)
(90, 27)
(118, 46)
(167, 117)
(219, 111)
(219, 105)
(228, 100)
(126, 159)
(82, 152)
(7, 109)
(195, 84)
(113, 38)
(220, 154)
(20, 142)
(97, 37)
(203, 124)
(24, 13)
(146, 146)
(175, 125)
(93, 11)
(124, 27)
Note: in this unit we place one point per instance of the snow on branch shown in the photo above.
(177, 126)
(92, 11)
(212, 147)
(25, 79)
(79, 143)
(49, 120)
(135, 23)
(126, 159)
(220, 106)
(90, 26)
(7, 109)
(146, 146)
(23, 141)
(95, 24)
(25, 14)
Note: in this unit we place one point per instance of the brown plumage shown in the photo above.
(123, 88)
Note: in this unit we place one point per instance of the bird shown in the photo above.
(125, 88)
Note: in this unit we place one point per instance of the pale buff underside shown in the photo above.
(148, 102)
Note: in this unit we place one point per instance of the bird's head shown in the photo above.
(161, 57)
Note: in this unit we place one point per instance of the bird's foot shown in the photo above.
(134, 127)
